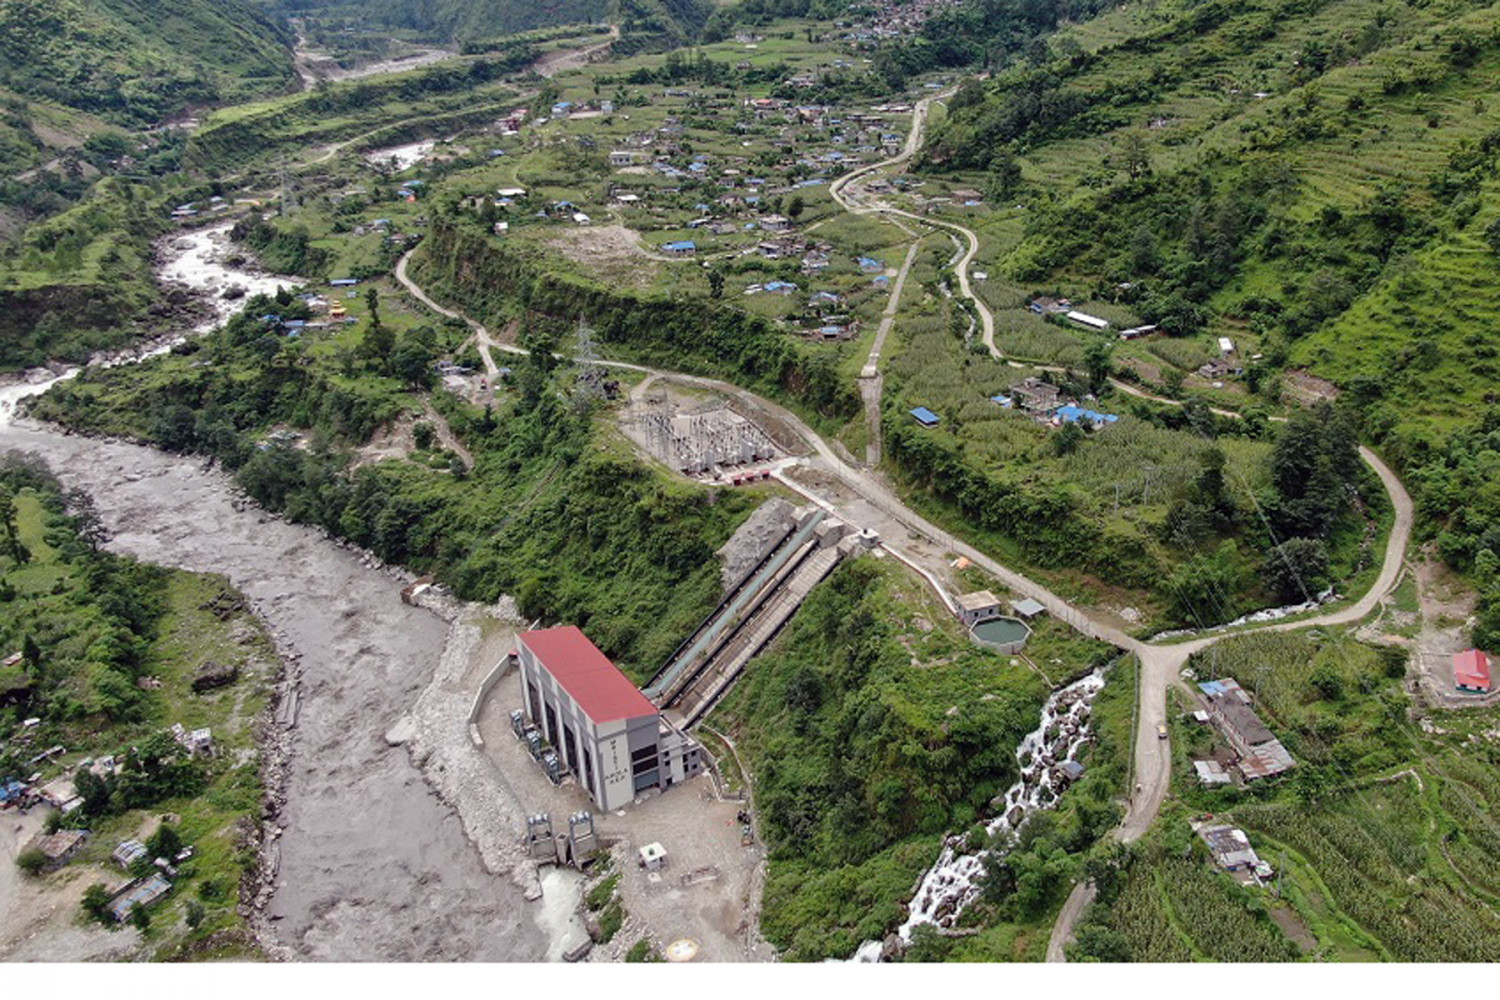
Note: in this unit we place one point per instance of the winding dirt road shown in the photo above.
(871, 504)
(857, 198)
(866, 502)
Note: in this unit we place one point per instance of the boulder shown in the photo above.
(214, 675)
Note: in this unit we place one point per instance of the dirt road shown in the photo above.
(847, 191)
(864, 501)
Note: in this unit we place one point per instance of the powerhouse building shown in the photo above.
(608, 734)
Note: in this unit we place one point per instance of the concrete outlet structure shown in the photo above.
(606, 732)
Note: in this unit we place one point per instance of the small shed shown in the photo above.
(1211, 772)
(925, 417)
(978, 606)
(128, 853)
(653, 857)
(1028, 607)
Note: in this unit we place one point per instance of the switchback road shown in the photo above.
(866, 502)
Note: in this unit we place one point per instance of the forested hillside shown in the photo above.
(135, 62)
(459, 21)
(448, 20)
(1315, 179)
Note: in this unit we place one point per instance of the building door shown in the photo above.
(551, 726)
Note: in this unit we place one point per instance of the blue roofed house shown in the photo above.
(925, 417)
(680, 248)
(1072, 413)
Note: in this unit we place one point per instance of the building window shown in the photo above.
(570, 747)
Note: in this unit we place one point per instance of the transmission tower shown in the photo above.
(288, 189)
(590, 387)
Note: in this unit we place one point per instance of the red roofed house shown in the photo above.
(1471, 671)
(608, 733)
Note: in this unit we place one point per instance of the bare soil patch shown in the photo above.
(1307, 388)
(613, 251)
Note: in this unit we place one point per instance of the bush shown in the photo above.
(642, 951)
(194, 913)
(96, 904)
(601, 894)
(610, 921)
(31, 861)
(212, 891)
(164, 843)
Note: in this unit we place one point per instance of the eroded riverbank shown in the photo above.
(372, 865)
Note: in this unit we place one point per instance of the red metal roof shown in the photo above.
(1471, 668)
(596, 684)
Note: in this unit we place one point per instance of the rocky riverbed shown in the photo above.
(362, 860)
(370, 864)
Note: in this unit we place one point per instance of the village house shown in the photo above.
(1043, 306)
(143, 892)
(1261, 754)
(60, 847)
(1221, 368)
(1471, 672)
(622, 158)
(128, 853)
(1072, 413)
(1036, 396)
(1085, 320)
(1231, 851)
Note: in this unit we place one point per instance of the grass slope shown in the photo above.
(136, 62)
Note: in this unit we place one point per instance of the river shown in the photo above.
(372, 865)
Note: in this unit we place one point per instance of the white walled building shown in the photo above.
(607, 733)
